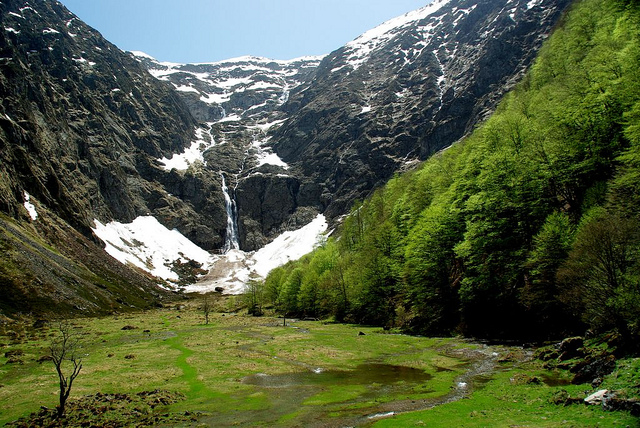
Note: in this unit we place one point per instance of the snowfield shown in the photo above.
(150, 246)
(234, 269)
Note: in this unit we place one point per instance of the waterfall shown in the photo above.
(231, 240)
(285, 93)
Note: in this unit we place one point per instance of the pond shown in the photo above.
(369, 374)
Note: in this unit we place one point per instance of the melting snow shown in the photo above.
(31, 209)
(266, 126)
(191, 154)
(361, 47)
(533, 3)
(185, 88)
(233, 270)
(142, 55)
(216, 98)
(230, 118)
(266, 156)
(149, 245)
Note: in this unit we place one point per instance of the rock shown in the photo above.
(129, 327)
(352, 127)
(597, 397)
(613, 403)
(14, 353)
(44, 358)
(571, 348)
(593, 368)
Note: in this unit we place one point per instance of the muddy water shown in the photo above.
(364, 374)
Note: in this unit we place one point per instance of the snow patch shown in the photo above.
(141, 54)
(147, 244)
(533, 3)
(184, 88)
(231, 118)
(234, 269)
(265, 156)
(191, 154)
(31, 209)
(268, 125)
(216, 98)
(289, 246)
(360, 48)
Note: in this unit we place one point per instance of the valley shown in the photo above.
(254, 371)
(436, 224)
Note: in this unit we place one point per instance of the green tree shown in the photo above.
(600, 279)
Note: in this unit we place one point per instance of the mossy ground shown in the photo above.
(173, 350)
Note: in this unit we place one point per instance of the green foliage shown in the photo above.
(601, 277)
(473, 239)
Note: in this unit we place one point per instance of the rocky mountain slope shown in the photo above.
(405, 90)
(386, 100)
(230, 154)
(80, 126)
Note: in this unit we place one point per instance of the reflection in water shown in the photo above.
(364, 374)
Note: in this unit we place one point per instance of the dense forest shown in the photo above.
(528, 228)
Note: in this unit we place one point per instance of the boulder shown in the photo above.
(597, 397)
(571, 348)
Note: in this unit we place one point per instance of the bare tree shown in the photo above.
(206, 308)
(65, 347)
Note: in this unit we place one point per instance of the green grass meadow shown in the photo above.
(211, 366)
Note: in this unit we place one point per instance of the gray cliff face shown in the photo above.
(78, 116)
(83, 124)
(380, 103)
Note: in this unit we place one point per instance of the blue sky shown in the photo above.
(212, 30)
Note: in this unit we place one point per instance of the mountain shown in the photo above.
(114, 150)
(378, 105)
(407, 89)
(246, 87)
(81, 124)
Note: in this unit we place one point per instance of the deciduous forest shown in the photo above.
(526, 229)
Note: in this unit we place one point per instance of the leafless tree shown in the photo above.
(206, 308)
(64, 351)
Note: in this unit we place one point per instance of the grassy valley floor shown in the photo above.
(166, 367)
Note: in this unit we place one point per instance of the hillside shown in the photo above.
(528, 228)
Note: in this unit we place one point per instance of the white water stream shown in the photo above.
(231, 239)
